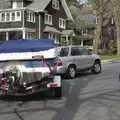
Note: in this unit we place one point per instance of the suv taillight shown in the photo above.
(59, 63)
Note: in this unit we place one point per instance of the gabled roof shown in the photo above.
(67, 10)
(39, 5)
(51, 29)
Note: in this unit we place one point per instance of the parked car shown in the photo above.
(76, 58)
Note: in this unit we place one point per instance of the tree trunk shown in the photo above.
(98, 32)
(116, 12)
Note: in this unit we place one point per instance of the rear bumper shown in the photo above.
(33, 88)
(61, 70)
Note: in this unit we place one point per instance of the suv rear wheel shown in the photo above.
(71, 72)
(96, 67)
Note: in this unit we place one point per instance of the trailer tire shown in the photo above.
(58, 92)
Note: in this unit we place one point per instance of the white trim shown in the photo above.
(17, 29)
(39, 26)
(23, 33)
(7, 36)
(51, 53)
(10, 16)
(4, 10)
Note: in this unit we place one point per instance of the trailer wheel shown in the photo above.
(58, 92)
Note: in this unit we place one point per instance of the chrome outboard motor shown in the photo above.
(10, 81)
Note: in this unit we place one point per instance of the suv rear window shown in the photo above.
(64, 52)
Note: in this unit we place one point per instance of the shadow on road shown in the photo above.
(71, 92)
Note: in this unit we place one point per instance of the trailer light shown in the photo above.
(53, 85)
(3, 82)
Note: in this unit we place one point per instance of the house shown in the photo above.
(85, 30)
(85, 24)
(34, 19)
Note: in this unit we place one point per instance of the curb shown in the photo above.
(110, 61)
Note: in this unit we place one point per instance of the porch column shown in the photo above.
(39, 26)
(7, 36)
(82, 42)
(71, 40)
(67, 39)
(23, 34)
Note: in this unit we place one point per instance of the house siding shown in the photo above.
(27, 23)
(37, 25)
(56, 14)
(43, 35)
(10, 25)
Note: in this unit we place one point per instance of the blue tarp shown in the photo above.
(25, 45)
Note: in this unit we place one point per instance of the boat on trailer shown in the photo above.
(28, 67)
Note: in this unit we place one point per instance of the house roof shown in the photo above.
(68, 32)
(51, 29)
(38, 5)
(67, 10)
(87, 17)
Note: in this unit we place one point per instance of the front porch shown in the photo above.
(16, 33)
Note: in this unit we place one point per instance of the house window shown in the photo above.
(48, 19)
(18, 15)
(55, 4)
(62, 23)
(84, 31)
(3, 17)
(30, 16)
(7, 16)
(14, 4)
(13, 16)
(10, 16)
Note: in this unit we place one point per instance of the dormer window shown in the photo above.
(17, 4)
(14, 4)
(55, 4)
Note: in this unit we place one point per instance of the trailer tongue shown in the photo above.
(28, 67)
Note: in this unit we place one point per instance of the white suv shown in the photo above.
(76, 58)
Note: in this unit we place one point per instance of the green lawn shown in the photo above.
(107, 57)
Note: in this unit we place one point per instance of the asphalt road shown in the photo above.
(87, 97)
